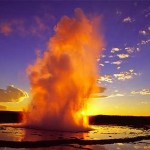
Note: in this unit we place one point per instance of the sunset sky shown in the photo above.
(25, 28)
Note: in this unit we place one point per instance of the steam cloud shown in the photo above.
(65, 76)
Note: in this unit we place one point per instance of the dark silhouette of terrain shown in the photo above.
(16, 117)
(10, 117)
(137, 121)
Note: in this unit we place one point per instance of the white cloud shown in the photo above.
(125, 75)
(128, 20)
(110, 56)
(116, 95)
(122, 56)
(117, 62)
(130, 49)
(143, 42)
(118, 67)
(12, 94)
(137, 49)
(107, 62)
(115, 49)
(142, 32)
(141, 92)
(106, 78)
(103, 56)
(101, 65)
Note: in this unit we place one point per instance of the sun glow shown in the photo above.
(83, 113)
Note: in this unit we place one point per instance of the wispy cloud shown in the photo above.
(137, 49)
(102, 65)
(125, 75)
(115, 49)
(143, 32)
(98, 59)
(5, 28)
(106, 62)
(9, 27)
(98, 96)
(141, 92)
(106, 78)
(12, 94)
(122, 56)
(103, 56)
(116, 95)
(117, 62)
(110, 56)
(3, 107)
(38, 26)
(118, 68)
(98, 93)
(119, 76)
(144, 42)
(118, 12)
(147, 12)
(128, 20)
(130, 49)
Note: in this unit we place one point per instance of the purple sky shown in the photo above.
(25, 27)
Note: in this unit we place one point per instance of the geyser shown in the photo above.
(65, 76)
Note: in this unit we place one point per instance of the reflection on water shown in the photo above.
(10, 133)
(142, 145)
(112, 132)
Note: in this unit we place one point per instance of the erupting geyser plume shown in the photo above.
(65, 76)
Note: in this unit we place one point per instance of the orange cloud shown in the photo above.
(36, 28)
(3, 107)
(12, 94)
(5, 29)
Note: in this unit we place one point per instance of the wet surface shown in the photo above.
(101, 137)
